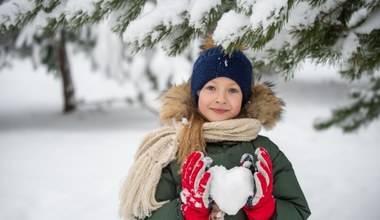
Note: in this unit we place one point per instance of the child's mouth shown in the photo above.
(219, 111)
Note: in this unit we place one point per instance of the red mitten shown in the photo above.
(261, 205)
(195, 195)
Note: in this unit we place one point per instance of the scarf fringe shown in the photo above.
(137, 193)
(137, 208)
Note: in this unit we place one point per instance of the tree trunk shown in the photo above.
(67, 82)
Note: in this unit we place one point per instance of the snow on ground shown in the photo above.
(61, 167)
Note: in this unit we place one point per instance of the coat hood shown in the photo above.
(263, 105)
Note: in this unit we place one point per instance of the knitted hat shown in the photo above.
(214, 63)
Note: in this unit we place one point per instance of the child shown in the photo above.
(218, 113)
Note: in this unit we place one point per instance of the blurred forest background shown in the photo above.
(278, 35)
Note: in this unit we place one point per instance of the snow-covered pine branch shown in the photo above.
(330, 33)
(14, 14)
(364, 109)
(52, 14)
(157, 22)
(280, 33)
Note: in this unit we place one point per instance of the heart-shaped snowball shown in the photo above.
(230, 189)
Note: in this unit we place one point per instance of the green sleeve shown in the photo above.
(290, 200)
(167, 190)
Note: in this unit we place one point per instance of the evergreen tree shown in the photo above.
(44, 48)
(29, 31)
(280, 34)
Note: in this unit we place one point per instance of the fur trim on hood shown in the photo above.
(263, 105)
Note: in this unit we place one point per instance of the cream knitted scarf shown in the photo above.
(158, 149)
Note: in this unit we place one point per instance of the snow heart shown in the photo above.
(230, 189)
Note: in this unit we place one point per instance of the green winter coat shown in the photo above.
(290, 200)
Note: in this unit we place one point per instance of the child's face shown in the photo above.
(220, 99)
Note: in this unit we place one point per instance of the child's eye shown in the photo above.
(211, 88)
(233, 90)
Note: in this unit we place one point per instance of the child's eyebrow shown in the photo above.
(233, 84)
(229, 84)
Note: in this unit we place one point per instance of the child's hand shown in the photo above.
(261, 205)
(195, 194)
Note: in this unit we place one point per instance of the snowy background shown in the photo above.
(55, 166)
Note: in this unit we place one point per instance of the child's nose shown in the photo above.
(221, 98)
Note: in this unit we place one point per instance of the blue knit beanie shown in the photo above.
(214, 63)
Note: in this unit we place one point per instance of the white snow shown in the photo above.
(350, 46)
(264, 13)
(84, 6)
(109, 61)
(10, 11)
(169, 69)
(302, 16)
(370, 24)
(231, 26)
(245, 5)
(357, 17)
(165, 12)
(231, 188)
(198, 10)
